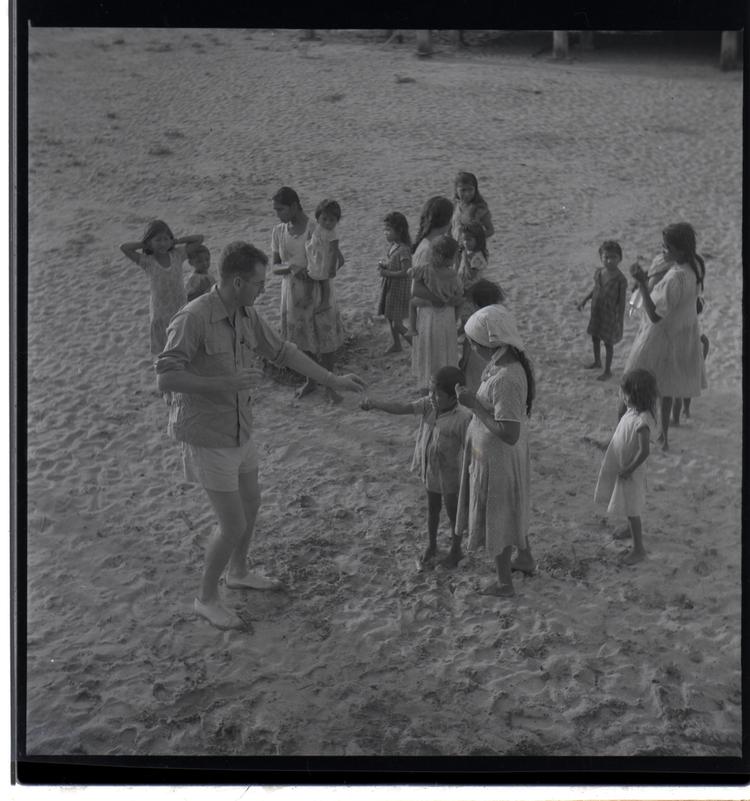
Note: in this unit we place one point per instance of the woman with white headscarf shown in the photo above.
(493, 501)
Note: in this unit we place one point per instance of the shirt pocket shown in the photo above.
(219, 352)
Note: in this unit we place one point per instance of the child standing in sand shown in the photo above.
(395, 291)
(159, 256)
(322, 248)
(470, 205)
(622, 477)
(607, 306)
(200, 280)
(436, 280)
(439, 447)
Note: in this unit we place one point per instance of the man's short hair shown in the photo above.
(240, 258)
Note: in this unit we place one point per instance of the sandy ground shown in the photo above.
(363, 655)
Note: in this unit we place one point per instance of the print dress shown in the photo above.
(395, 292)
(168, 294)
(493, 502)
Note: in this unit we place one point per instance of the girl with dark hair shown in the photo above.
(437, 343)
(668, 341)
(318, 332)
(470, 205)
(439, 448)
(622, 477)
(395, 290)
(161, 256)
(493, 503)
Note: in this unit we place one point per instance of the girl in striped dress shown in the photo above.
(395, 292)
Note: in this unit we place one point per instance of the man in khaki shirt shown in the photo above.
(210, 342)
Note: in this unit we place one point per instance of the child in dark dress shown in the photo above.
(607, 306)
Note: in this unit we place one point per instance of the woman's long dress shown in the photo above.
(311, 332)
(493, 500)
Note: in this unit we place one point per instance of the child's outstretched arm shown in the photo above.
(132, 250)
(641, 455)
(392, 407)
(191, 239)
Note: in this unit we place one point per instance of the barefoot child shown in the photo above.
(322, 248)
(607, 306)
(622, 477)
(159, 257)
(439, 447)
(200, 280)
(395, 292)
(436, 281)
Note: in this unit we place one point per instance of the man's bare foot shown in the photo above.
(633, 557)
(394, 349)
(333, 397)
(308, 387)
(251, 581)
(622, 533)
(498, 590)
(604, 376)
(593, 366)
(217, 615)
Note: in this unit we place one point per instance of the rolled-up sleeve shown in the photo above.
(183, 340)
(267, 342)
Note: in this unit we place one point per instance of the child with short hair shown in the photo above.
(160, 256)
(622, 477)
(200, 280)
(436, 280)
(323, 255)
(607, 306)
(439, 447)
(395, 291)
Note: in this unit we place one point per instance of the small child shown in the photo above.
(472, 263)
(470, 205)
(200, 280)
(159, 257)
(607, 306)
(437, 281)
(395, 291)
(322, 248)
(622, 477)
(439, 447)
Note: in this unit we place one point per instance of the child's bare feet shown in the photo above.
(527, 566)
(217, 614)
(453, 557)
(498, 590)
(308, 387)
(593, 366)
(633, 557)
(604, 376)
(427, 559)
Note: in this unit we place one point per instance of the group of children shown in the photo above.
(458, 261)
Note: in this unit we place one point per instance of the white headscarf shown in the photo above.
(493, 326)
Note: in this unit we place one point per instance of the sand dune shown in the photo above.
(363, 654)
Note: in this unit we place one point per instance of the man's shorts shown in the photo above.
(218, 469)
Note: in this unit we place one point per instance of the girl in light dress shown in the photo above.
(323, 255)
(470, 206)
(319, 335)
(439, 447)
(161, 256)
(668, 341)
(395, 290)
(622, 477)
(437, 343)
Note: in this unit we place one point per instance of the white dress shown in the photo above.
(624, 496)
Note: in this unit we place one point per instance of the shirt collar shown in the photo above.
(218, 309)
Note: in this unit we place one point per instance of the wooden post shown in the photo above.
(587, 40)
(730, 41)
(424, 43)
(559, 44)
